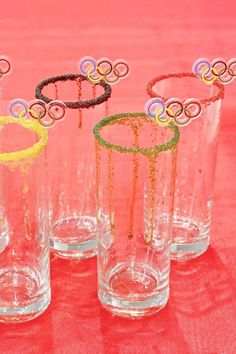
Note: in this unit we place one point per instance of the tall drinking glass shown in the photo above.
(24, 262)
(135, 162)
(196, 162)
(71, 159)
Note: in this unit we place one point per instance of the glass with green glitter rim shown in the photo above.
(135, 188)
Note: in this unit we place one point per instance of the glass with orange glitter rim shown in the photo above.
(24, 211)
(196, 162)
(135, 162)
(71, 161)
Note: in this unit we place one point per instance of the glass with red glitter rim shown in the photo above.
(71, 161)
(196, 161)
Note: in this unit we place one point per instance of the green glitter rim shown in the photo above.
(145, 151)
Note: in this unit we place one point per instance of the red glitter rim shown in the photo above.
(205, 101)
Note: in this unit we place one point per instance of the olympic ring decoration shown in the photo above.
(46, 114)
(103, 69)
(173, 110)
(5, 66)
(217, 69)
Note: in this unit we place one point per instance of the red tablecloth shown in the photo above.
(45, 38)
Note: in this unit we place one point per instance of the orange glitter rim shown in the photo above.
(205, 101)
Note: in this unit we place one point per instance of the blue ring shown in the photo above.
(90, 60)
(151, 115)
(199, 63)
(18, 101)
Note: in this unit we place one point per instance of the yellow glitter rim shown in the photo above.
(30, 152)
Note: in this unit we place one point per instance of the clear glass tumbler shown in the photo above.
(196, 162)
(71, 158)
(135, 162)
(24, 262)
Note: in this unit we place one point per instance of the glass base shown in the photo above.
(18, 290)
(133, 292)
(189, 240)
(74, 237)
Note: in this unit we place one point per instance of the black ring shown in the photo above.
(179, 112)
(107, 71)
(74, 105)
(224, 70)
(31, 111)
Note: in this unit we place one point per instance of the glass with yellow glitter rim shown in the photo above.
(135, 162)
(24, 263)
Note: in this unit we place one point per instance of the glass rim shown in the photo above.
(77, 104)
(155, 80)
(145, 151)
(29, 152)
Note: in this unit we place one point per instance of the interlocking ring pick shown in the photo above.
(46, 114)
(103, 69)
(173, 110)
(215, 70)
(5, 66)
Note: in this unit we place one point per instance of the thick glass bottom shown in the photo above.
(74, 237)
(134, 291)
(20, 297)
(190, 240)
